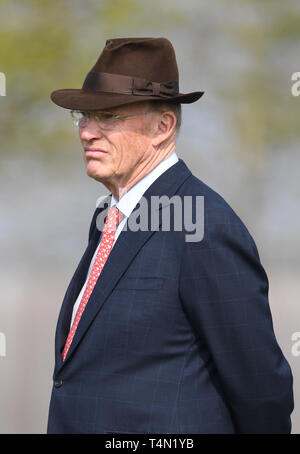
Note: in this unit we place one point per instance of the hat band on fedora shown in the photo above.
(118, 83)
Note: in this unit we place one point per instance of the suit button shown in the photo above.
(58, 383)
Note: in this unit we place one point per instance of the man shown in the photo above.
(160, 331)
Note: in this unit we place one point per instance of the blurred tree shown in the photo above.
(49, 45)
(262, 111)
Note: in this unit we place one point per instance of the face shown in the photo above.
(115, 157)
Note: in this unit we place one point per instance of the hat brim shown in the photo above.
(78, 99)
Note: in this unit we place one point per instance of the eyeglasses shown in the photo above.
(105, 120)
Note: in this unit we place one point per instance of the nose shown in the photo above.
(90, 131)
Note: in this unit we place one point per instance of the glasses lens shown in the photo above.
(106, 120)
(77, 116)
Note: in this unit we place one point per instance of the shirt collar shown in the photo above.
(129, 200)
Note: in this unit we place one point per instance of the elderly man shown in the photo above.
(160, 331)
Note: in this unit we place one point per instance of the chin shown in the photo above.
(93, 171)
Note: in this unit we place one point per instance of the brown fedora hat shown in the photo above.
(128, 70)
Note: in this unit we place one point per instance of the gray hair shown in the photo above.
(168, 106)
(173, 107)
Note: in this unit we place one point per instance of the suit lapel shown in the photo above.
(123, 253)
(76, 284)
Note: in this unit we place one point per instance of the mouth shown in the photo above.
(94, 152)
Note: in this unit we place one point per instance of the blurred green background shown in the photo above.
(241, 138)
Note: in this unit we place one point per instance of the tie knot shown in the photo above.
(112, 219)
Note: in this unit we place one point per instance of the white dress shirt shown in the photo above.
(126, 205)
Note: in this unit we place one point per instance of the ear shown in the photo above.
(165, 127)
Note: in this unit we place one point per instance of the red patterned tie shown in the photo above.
(107, 239)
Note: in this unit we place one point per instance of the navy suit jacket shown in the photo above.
(177, 336)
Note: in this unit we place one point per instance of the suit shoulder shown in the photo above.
(217, 211)
(214, 202)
